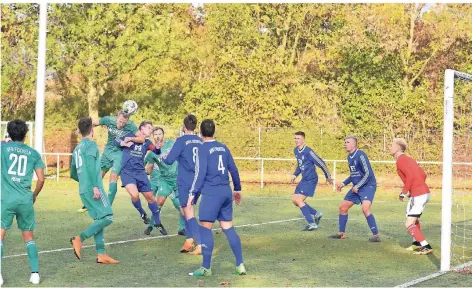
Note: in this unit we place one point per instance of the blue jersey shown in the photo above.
(307, 161)
(361, 171)
(133, 157)
(184, 150)
(213, 163)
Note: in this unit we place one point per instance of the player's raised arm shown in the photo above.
(320, 163)
(233, 170)
(174, 152)
(201, 163)
(138, 138)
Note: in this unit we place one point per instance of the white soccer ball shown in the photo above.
(130, 107)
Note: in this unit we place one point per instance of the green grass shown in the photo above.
(276, 254)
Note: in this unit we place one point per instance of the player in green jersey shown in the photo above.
(163, 178)
(18, 164)
(117, 127)
(85, 169)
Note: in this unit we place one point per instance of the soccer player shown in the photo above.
(85, 169)
(214, 161)
(362, 192)
(117, 127)
(133, 173)
(415, 187)
(163, 179)
(185, 150)
(7, 139)
(18, 164)
(307, 160)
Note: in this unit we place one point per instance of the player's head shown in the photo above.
(17, 130)
(146, 128)
(122, 119)
(190, 123)
(7, 138)
(299, 139)
(350, 144)
(158, 134)
(85, 127)
(399, 145)
(207, 128)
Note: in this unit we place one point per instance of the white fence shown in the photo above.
(264, 160)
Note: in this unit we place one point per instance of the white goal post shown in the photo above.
(448, 128)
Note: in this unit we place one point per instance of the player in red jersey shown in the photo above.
(413, 177)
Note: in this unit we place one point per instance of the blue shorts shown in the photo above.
(139, 179)
(306, 188)
(183, 191)
(216, 205)
(364, 193)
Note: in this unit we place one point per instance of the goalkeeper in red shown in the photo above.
(414, 177)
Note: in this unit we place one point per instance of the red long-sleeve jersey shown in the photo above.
(413, 176)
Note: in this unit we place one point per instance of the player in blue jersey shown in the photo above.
(133, 173)
(307, 161)
(362, 192)
(185, 151)
(213, 163)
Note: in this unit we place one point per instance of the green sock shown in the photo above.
(99, 242)
(32, 251)
(112, 192)
(96, 227)
(176, 203)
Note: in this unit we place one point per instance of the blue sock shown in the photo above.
(155, 212)
(188, 230)
(372, 224)
(138, 206)
(235, 244)
(207, 246)
(342, 222)
(192, 222)
(307, 214)
(312, 211)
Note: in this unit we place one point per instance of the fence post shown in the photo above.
(334, 174)
(57, 168)
(262, 173)
(259, 141)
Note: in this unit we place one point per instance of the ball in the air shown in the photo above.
(130, 107)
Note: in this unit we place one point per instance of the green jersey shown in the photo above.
(86, 162)
(152, 158)
(165, 171)
(114, 132)
(19, 162)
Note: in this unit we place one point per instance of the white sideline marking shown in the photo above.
(152, 238)
(432, 276)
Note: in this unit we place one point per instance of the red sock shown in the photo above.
(415, 231)
(418, 224)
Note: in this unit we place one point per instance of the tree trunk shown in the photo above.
(92, 99)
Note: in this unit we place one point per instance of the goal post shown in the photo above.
(447, 188)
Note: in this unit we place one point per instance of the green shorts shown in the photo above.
(167, 188)
(97, 208)
(111, 159)
(24, 216)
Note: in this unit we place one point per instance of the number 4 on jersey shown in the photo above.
(221, 167)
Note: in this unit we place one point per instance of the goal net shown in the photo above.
(456, 231)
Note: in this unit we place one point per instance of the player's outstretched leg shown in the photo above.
(235, 244)
(102, 258)
(370, 221)
(94, 228)
(413, 228)
(152, 204)
(299, 201)
(182, 230)
(207, 250)
(112, 189)
(343, 216)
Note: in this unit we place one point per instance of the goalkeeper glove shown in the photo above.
(402, 196)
